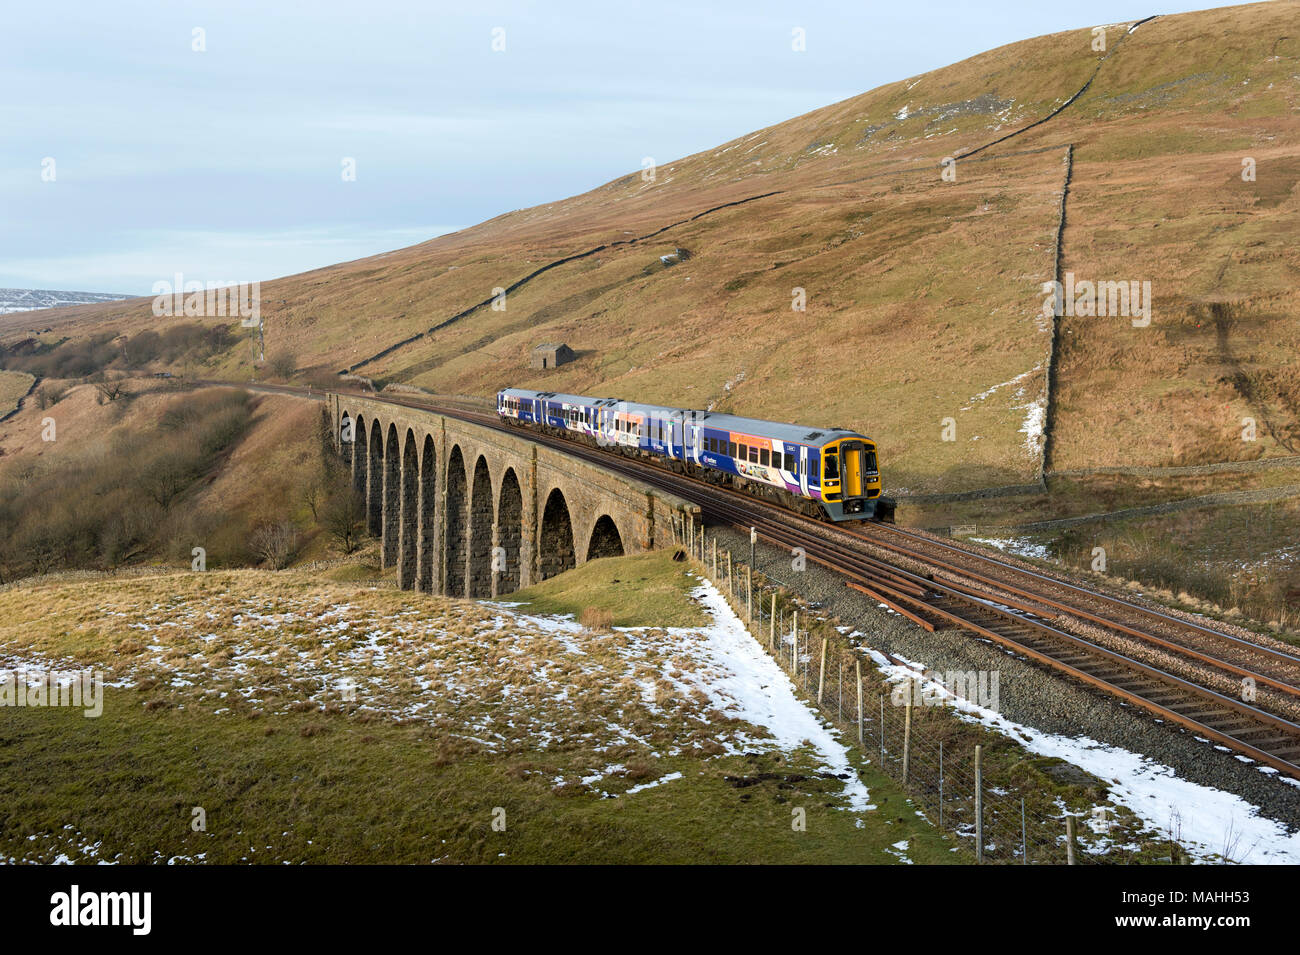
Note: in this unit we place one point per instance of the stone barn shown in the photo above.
(552, 356)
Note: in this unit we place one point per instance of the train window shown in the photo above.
(871, 461)
(789, 462)
(832, 465)
(763, 458)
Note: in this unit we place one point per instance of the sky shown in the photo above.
(213, 139)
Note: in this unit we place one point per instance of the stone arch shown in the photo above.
(409, 522)
(453, 574)
(556, 537)
(392, 505)
(510, 519)
(347, 437)
(375, 481)
(606, 541)
(482, 518)
(360, 457)
(427, 547)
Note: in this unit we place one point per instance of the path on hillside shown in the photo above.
(546, 268)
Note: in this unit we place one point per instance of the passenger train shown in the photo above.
(827, 473)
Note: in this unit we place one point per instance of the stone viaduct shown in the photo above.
(469, 511)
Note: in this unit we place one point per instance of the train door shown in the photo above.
(853, 468)
(803, 470)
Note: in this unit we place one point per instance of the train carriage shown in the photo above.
(827, 472)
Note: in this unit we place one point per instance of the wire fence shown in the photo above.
(977, 785)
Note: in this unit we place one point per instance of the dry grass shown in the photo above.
(596, 619)
(13, 385)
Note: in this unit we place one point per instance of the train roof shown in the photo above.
(798, 434)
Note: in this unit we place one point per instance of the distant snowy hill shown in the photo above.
(25, 299)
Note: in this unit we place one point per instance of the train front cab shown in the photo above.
(851, 481)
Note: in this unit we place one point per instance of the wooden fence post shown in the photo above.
(857, 666)
(1024, 836)
(1069, 840)
(771, 632)
(907, 734)
(749, 594)
(940, 784)
(979, 806)
(821, 675)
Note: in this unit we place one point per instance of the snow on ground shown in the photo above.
(651, 785)
(899, 851)
(746, 683)
(1207, 822)
(486, 673)
(998, 387)
(1020, 546)
(1035, 422)
(1035, 409)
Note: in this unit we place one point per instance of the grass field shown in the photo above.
(316, 722)
(13, 385)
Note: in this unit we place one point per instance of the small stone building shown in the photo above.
(552, 356)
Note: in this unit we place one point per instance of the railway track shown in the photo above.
(1027, 612)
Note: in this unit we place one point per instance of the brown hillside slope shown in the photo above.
(923, 295)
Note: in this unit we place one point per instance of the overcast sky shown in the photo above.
(226, 164)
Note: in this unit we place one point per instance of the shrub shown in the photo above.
(283, 365)
(275, 544)
(343, 516)
(595, 618)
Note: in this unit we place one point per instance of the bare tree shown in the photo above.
(343, 515)
(275, 543)
(311, 496)
(110, 389)
(283, 365)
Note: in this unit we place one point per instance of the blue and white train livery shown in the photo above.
(823, 472)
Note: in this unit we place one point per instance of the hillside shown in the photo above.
(924, 296)
(87, 483)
